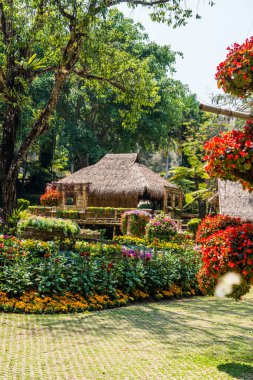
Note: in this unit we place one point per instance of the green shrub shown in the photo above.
(23, 204)
(69, 214)
(193, 225)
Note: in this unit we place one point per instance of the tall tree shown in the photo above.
(42, 36)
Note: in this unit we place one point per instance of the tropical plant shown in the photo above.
(23, 204)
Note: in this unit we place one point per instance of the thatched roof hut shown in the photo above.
(120, 180)
(233, 200)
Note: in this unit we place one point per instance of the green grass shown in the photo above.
(200, 338)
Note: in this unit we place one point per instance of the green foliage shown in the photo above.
(13, 220)
(38, 209)
(191, 176)
(69, 214)
(23, 204)
(193, 225)
(50, 48)
(89, 115)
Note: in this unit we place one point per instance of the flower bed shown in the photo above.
(39, 226)
(34, 303)
(32, 271)
(179, 243)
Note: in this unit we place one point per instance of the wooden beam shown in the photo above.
(226, 112)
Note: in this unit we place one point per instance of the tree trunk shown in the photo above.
(11, 165)
(9, 198)
(7, 154)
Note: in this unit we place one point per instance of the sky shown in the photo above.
(203, 42)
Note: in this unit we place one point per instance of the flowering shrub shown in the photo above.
(162, 228)
(226, 251)
(235, 74)
(230, 156)
(51, 198)
(212, 224)
(40, 223)
(133, 222)
(89, 271)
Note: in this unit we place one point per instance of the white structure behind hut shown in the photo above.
(233, 200)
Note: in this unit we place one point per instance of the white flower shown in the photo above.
(225, 284)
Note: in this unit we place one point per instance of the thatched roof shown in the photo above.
(234, 200)
(120, 174)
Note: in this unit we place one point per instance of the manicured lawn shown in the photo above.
(201, 338)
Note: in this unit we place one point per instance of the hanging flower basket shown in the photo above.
(235, 74)
(229, 156)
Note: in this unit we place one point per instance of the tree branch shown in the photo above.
(84, 74)
(70, 56)
(63, 12)
(111, 3)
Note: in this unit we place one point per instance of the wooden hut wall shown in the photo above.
(128, 201)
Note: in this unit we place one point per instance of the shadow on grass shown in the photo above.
(200, 323)
(237, 370)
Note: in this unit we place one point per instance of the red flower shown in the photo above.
(226, 153)
(51, 198)
(225, 251)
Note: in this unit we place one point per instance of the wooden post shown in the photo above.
(226, 112)
(165, 200)
(63, 197)
(86, 194)
(181, 200)
(173, 200)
